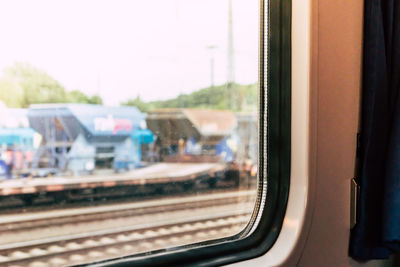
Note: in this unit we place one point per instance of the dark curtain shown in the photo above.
(377, 232)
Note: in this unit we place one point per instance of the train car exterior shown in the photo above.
(17, 148)
(79, 138)
(210, 159)
(199, 135)
(153, 177)
(186, 133)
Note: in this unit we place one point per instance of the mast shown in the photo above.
(231, 59)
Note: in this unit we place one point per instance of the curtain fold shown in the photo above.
(377, 232)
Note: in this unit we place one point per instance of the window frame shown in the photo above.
(275, 142)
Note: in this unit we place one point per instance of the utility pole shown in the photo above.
(231, 59)
(211, 48)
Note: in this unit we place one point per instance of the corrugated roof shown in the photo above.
(212, 122)
(91, 120)
(172, 124)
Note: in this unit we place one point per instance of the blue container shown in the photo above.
(17, 137)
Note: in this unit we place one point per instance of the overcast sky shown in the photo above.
(124, 48)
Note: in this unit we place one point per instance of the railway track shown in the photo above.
(14, 205)
(25, 222)
(105, 244)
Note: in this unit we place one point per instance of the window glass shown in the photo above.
(126, 126)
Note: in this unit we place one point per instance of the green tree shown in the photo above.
(95, 99)
(23, 85)
(10, 93)
(37, 86)
(77, 96)
(245, 98)
(137, 102)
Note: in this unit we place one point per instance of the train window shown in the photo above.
(153, 131)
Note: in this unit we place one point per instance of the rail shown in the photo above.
(21, 222)
(105, 244)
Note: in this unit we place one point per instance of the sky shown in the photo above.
(120, 49)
